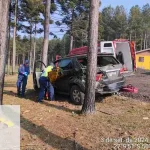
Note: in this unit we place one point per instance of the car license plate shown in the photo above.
(112, 74)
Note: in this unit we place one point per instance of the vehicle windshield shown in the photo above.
(101, 61)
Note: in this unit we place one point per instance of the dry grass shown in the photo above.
(58, 126)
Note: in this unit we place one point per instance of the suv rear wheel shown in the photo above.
(77, 97)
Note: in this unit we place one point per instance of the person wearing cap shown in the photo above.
(23, 73)
(45, 84)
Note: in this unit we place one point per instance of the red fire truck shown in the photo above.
(123, 46)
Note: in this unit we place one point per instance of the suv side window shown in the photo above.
(65, 64)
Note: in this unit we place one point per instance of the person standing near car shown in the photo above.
(120, 57)
(23, 73)
(45, 85)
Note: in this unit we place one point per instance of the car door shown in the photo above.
(62, 84)
(37, 70)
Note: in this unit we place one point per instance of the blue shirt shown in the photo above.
(22, 69)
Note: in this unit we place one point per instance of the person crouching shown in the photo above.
(45, 85)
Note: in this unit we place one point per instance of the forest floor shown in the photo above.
(58, 125)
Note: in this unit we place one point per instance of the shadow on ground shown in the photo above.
(32, 95)
(9, 85)
(49, 138)
(146, 73)
(46, 136)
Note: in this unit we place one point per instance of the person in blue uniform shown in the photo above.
(45, 85)
(23, 73)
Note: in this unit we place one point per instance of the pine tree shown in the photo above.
(46, 31)
(89, 100)
(4, 8)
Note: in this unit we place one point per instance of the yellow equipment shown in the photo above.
(46, 70)
(55, 74)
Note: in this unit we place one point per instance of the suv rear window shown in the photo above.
(101, 61)
(106, 60)
(65, 64)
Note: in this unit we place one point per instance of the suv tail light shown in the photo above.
(122, 70)
(99, 77)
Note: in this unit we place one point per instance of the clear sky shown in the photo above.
(126, 3)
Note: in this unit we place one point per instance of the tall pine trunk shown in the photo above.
(14, 37)
(17, 59)
(145, 41)
(23, 57)
(130, 37)
(71, 35)
(71, 42)
(30, 53)
(4, 7)
(141, 42)
(89, 100)
(34, 47)
(8, 55)
(8, 61)
(46, 32)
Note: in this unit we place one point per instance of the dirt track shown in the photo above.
(141, 80)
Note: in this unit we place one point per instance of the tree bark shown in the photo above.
(71, 34)
(145, 41)
(141, 42)
(8, 61)
(17, 60)
(135, 37)
(89, 101)
(71, 42)
(23, 57)
(8, 55)
(46, 32)
(130, 37)
(34, 47)
(28, 56)
(30, 53)
(4, 7)
(52, 57)
(14, 37)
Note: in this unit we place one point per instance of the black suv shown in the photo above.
(72, 82)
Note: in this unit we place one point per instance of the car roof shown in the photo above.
(85, 55)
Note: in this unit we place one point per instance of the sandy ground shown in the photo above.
(59, 125)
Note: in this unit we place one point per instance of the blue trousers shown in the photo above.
(21, 84)
(45, 85)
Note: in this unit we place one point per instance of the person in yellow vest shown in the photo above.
(45, 84)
